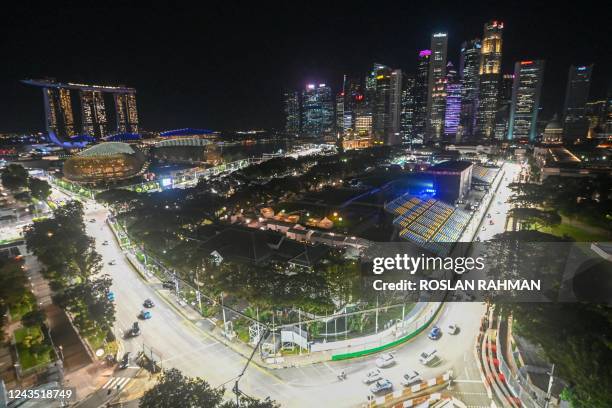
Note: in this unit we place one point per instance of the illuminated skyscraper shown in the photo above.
(575, 121)
(93, 113)
(317, 111)
(502, 117)
(469, 67)
(126, 112)
(386, 104)
(407, 109)
(420, 96)
(453, 102)
(526, 91)
(436, 96)
(292, 113)
(489, 71)
(58, 111)
(60, 123)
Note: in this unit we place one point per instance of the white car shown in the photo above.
(385, 360)
(410, 378)
(452, 329)
(372, 376)
(428, 356)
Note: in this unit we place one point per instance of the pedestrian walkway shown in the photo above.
(116, 383)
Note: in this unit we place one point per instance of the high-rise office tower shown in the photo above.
(340, 113)
(502, 117)
(407, 109)
(575, 122)
(436, 97)
(317, 111)
(421, 83)
(489, 71)
(526, 91)
(361, 111)
(292, 113)
(352, 89)
(93, 113)
(469, 67)
(453, 102)
(386, 104)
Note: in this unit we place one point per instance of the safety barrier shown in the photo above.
(361, 353)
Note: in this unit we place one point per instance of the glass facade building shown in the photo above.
(436, 97)
(526, 92)
(453, 102)
(292, 113)
(317, 111)
(489, 72)
(469, 67)
(575, 121)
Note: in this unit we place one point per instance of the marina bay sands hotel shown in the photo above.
(94, 121)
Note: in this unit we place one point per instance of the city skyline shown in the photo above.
(208, 100)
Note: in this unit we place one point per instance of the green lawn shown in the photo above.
(37, 352)
(26, 305)
(577, 233)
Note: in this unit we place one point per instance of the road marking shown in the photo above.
(467, 381)
(116, 383)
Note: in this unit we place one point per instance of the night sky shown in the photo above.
(225, 68)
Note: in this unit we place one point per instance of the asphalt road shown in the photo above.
(178, 343)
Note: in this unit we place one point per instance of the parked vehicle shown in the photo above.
(410, 378)
(428, 356)
(385, 360)
(168, 285)
(372, 375)
(381, 386)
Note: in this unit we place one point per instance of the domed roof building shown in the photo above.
(553, 132)
(105, 162)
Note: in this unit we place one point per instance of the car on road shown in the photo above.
(489, 215)
(435, 333)
(452, 329)
(428, 356)
(385, 360)
(92, 220)
(148, 303)
(372, 375)
(111, 296)
(145, 315)
(112, 262)
(105, 243)
(491, 222)
(168, 285)
(134, 330)
(125, 361)
(410, 378)
(381, 386)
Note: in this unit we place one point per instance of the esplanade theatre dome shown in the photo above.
(108, 161)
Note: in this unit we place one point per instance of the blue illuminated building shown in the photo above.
(453, 101)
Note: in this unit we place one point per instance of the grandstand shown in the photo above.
(484, 175)
(429, 223)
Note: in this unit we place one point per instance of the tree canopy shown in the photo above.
(14, 177)
(176, 390)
